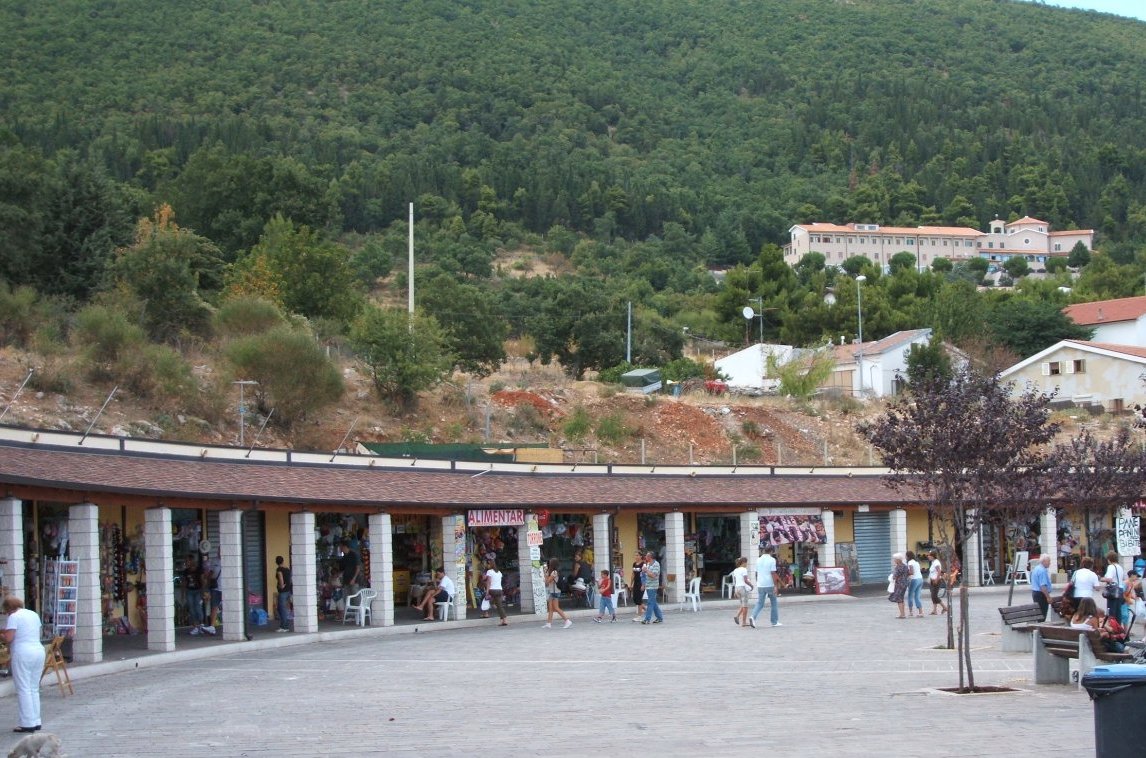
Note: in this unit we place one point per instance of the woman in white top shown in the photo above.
(935, 580)
(23, 637)
(1115, 575)
(494, 591)
(914, 586)
(740, 588)
(1085, 580)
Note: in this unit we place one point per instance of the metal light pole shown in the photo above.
(243, 384)
(859, 310)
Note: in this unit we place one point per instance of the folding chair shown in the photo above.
(54, 661)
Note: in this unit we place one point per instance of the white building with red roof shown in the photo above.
(1096, 375)
(1027, 237)
(1119, 322)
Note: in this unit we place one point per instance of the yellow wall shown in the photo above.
(845, 525)
(916, 530)
(278, 543)
(626, 524)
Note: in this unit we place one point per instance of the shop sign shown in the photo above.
(1126, 531)
(534, 552)
(503, 517)
(534, 539)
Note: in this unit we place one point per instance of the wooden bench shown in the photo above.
(1054, 646)
(1018, 623)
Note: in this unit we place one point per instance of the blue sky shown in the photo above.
(1130, 8)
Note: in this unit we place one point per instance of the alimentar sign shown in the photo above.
(502, 517)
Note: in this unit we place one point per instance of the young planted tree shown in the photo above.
(405, 354)
(968, 447)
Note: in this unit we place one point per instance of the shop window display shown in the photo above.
(412, 550)
(186, 539)
(499, 544)
(122, 579)
(651, 534)
(569, 539)
(331, 531)
(716, 546)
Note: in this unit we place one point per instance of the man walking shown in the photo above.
(767, 580)
(652, 573)
(1041, 584)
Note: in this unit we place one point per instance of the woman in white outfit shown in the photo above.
(23, 637)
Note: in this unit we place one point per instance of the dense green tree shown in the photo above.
(1028, 326)
(165, 271)
(1079, 255)
(928, 362)
(405, 354)
(1017, 266)
(474, 327)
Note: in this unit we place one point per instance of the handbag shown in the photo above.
(890, 583)
(485, 603)
(1111, 590)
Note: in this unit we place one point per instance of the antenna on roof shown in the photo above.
(259, 433)
(344, 438)
(101, 409)
(17, 393)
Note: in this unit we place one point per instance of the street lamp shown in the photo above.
(243, 384)
(859, 310)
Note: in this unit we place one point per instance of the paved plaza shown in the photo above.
(841, 677)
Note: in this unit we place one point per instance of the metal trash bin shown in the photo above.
(1118, 691)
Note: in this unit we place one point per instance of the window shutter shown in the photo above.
(1046, 369)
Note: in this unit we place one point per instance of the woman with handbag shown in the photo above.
(1114, 583)
(494, 594)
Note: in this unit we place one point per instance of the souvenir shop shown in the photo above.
(711, 548)
(568, 537)
(795, 538)
(492, 535)
(417, 546)
(330, 531)
(45, 551)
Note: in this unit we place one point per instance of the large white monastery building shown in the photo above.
(1027, 237)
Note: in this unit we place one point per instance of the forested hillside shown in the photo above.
(624, 147)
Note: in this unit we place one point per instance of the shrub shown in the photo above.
(242, 316)
(612, 429)
(578, 424)
(294, 376)
(105, 337)
(17, 314)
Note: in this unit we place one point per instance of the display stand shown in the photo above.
(62, 576)
(67, 596)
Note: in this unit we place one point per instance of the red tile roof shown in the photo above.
(1106, 311)
(120, 477)
(1137, 352)
(1027, 220)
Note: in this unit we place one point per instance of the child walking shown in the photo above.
(605, 590)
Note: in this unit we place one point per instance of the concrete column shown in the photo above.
(898, 525)
(674, 557)
(749, 542)
(231, 574)
(826, 553)
(382, 568)
(602, 545)
(160, 579)
(83, 530)
(12, 544)
(973, 556)
(1048, 538)
(304, 573)
(454, 558)
(530, 577)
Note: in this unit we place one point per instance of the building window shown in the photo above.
(863, 240)
(910, 241)
(1026, 242)
(1080, 367)
(944, 243)
(969, 244)
(1117, 405)
(899, 240)
(1054, 368)
(851, 240)
(1057, 247)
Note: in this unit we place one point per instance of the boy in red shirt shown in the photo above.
(605, 590)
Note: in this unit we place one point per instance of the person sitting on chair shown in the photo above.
(441, 593)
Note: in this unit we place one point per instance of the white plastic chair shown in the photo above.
(1018, 569)
(359, 604)
(727, 586)
(693, 595)
(988, 573)
(620, 590)
(444, 609)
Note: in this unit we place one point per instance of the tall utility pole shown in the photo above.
(859, 310)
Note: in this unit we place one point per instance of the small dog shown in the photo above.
(37, 745)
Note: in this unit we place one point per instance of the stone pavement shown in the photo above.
(841, 677)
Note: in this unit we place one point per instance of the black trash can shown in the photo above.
(1119, 694)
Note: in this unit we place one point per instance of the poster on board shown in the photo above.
(831, 580)
(1127, 536)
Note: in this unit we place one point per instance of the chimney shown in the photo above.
(1100, 316)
